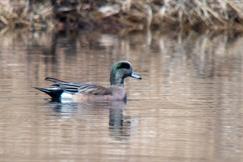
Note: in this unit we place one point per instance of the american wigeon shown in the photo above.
(62, 90)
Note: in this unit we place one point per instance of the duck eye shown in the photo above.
(124, 66)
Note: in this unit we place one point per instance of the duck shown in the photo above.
(62, 90)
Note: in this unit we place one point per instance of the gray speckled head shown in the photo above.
(120, 70)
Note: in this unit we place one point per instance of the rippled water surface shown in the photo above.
(188, 107)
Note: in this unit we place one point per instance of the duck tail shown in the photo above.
(54, 92)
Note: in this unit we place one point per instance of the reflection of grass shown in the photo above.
(171, 63)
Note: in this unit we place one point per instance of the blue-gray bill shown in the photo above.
(136, 75)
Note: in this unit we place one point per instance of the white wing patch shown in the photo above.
(66, 95)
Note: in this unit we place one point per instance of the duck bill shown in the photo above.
(136, 75)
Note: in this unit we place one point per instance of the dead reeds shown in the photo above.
(201, 14)
(131, 14)
(21, 14)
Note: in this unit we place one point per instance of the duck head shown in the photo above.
(120, 71)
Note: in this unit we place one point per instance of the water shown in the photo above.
(188, 107)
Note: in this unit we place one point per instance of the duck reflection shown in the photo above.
(119, 125)
(65, 110)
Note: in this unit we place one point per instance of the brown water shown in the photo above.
(188, 107)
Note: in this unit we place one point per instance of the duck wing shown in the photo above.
(92, 89)
(83, 88)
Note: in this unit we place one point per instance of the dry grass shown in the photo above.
(209, 14)
(18, 14)
(135, 14)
